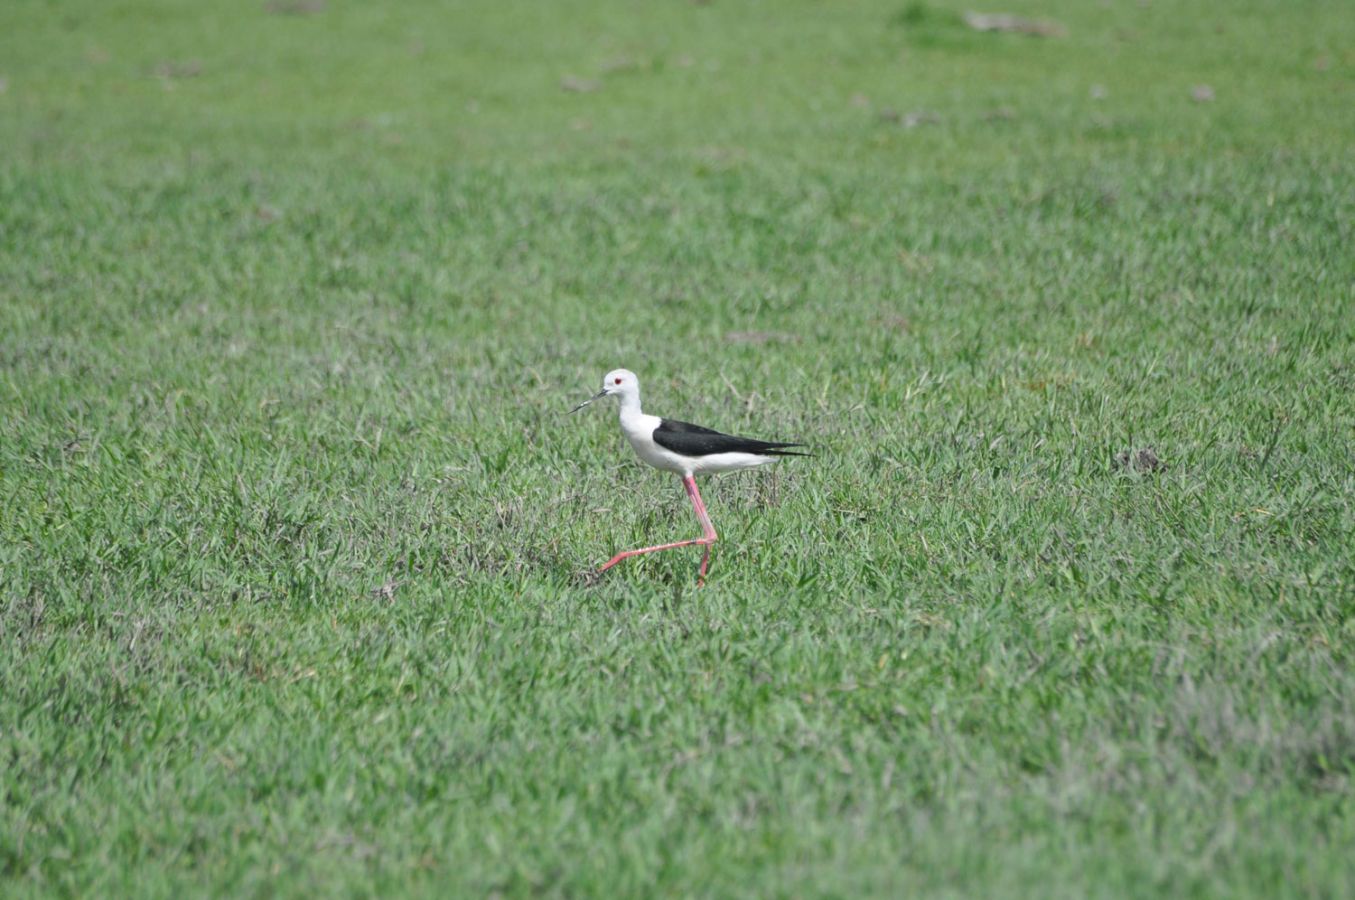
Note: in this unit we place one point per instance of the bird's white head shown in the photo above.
(621, 382)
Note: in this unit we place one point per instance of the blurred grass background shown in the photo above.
(293, 296)
(429, 83)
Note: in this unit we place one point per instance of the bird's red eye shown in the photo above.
(617, 381)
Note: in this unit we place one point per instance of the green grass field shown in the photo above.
(294, 529)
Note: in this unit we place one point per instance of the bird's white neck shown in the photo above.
(630, 406)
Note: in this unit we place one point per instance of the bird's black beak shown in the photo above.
(588, 401)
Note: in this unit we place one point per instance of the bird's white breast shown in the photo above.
(639, 430)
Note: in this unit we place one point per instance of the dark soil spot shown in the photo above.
(296, 7)
(1013, 24)
(1142, 461)
(575, 85)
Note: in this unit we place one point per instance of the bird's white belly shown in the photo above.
(730, 462)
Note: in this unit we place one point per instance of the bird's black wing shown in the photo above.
(693, 440)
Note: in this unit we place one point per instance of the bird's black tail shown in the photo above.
(778, 449)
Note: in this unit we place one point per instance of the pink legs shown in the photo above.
(708, 535)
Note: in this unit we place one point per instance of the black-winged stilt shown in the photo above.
(684, 449)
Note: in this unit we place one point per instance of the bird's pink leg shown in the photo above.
(708, 535)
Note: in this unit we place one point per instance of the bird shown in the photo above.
(685, 449)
